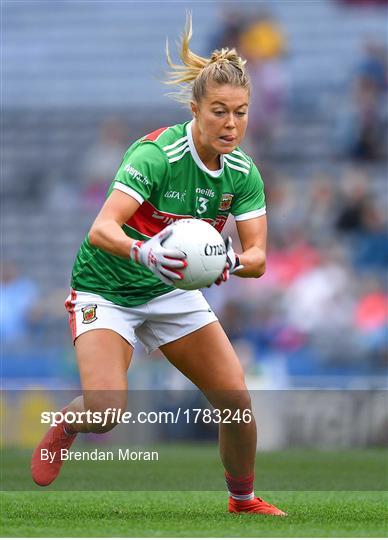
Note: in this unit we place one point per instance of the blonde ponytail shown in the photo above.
(192, 77)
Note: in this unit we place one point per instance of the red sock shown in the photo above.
(240, 487)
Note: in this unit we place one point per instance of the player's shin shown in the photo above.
(238, 448)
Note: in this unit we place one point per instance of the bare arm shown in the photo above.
(253, 238)
(106, 232)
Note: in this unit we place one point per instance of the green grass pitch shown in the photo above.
(48, 513)
(192, 514)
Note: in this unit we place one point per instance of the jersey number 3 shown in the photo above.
(202, 201)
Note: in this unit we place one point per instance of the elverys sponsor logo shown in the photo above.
(136, 175)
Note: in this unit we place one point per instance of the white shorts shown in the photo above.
(160, 321)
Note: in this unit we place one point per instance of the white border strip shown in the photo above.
(177, 150)
(129, 191)
(173, 145)
(238, 153)
(251, 215)
(177, 158)
(234, 159)
(236, 167)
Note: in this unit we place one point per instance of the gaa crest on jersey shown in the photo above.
(226, 201)
(89, 314)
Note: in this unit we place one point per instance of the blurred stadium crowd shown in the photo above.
(318, 133)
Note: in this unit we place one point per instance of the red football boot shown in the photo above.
(254, 506)
(43, 471)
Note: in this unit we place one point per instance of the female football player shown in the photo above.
(123, 276)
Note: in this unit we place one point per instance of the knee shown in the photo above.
(238, 400)
(232, 400)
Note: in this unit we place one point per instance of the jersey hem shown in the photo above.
(129, 191)
(251, 215)
(116, 301)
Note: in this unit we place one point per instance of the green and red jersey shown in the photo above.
(164, 173)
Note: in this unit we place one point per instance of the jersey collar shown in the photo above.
(196, 157)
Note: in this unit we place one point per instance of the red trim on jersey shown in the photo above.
(70, 305)
(149, 220)
(155, 134)
(219, 223)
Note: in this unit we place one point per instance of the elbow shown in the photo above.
(260, 269)
(93, 237)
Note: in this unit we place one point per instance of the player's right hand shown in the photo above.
(163, 262)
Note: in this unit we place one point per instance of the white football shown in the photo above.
(205, 250)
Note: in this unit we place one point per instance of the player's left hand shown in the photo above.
(232, 262)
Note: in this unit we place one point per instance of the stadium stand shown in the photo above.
(65, 71)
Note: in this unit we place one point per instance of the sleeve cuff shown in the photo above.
(128, 191)
(251, 215)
